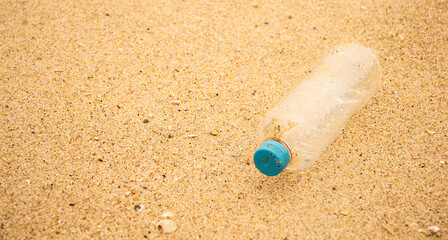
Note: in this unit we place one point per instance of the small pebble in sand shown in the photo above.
(96, 138)
(137, 207)
(433, 229)
(345, 212)
(442, 162)
(28, 181)
(431, 132)
(235, 155)
(145, 121)
(167, 226)
(175, 102)
(192, 136)
(167, 215)
(133, 191)
(214, 133)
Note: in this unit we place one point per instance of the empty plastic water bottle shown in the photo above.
(297, 130)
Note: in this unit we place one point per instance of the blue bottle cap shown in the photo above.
(271, 157)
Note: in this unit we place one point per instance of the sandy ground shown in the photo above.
(93, 146)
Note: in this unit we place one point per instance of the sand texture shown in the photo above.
(114, 113)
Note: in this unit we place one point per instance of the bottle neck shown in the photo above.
(283, 144)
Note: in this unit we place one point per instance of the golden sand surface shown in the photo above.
(114, 113)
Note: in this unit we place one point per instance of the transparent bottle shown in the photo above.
(299, 128)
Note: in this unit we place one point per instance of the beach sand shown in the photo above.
(115, 112)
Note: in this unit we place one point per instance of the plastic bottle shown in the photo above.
(297, 130)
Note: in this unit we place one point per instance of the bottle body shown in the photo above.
(316, 110)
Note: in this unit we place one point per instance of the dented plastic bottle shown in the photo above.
(298, 129)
